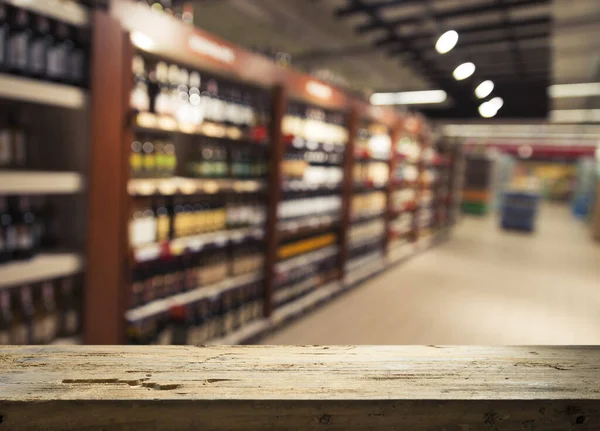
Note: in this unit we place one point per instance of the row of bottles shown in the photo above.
(213, 160)
(406, 172)
(373, 173)
(152, 158)
(167, 218)
(373, 142)
(36, 46)
(165, 277)
(201, 321)
(403, 198)
(367, 204)
(306, 245)
(314, 126)
(180, 9)
(327, 271)
(193, 98)
(402, 224)
(40, 313)
(369, 230)
(26, 225)
(320, 205)
(304, 270)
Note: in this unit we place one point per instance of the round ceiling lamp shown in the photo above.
(487, 110)
(484, 89)
(446, 42)
(463, 71)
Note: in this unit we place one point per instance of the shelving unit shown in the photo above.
(45, 93)
(313, 249)
(37, 182)
(41, 267)
(60, 10)
(44, 162)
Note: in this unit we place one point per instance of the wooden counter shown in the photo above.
(300, 387)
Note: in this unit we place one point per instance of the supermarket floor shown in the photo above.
(483, 286)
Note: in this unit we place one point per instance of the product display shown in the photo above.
(28, 225)
(42, 48)
(248, 193)
(477, 193)
(172, 98)
(180, 9)
(40, 313)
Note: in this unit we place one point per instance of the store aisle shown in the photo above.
(484, 286)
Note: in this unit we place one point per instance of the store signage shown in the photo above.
(211, 49)
(319, 90)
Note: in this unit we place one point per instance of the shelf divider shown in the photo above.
(347, 188)
(107, 247)
(394, 135)
(278, 111)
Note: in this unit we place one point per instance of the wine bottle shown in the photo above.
(6, 318)
(4, 29)
(40, 43)
(17, 47)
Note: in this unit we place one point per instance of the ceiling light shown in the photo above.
(574, 90)
(487, 110)
(409, 97)
(463, 71)
(497, 102)
(484, 89)
(575, 116)
(446, 42)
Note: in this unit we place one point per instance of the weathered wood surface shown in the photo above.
(300, 387)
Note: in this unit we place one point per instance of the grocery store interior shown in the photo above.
(197, 172)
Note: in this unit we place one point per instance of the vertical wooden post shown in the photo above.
(394, 134)
(107, 188)
(352, 121)
(278, 111)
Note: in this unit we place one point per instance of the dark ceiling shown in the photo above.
(507, 40)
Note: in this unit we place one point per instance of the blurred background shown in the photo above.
(299, 171)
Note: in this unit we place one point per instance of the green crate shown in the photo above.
(477, 208)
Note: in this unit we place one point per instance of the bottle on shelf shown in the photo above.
(8, 232)
(69, 305)
(77, 62)
(46, 320)
(136, 160)
(21, 332)
(24, 221)
(6, 318)
(40, 44)
(15, 141)
(17, 44)
(4, 30)
(140, 98)
(149, 159)
(58, 53)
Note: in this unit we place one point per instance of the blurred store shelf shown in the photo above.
(34, 182)
(41, 267)
(37, 91)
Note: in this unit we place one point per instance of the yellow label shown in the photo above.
(162, 228)
(149, 161)
(170, 162)
(135, 162)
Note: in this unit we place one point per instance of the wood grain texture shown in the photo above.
(107, 192)
(300, 387)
